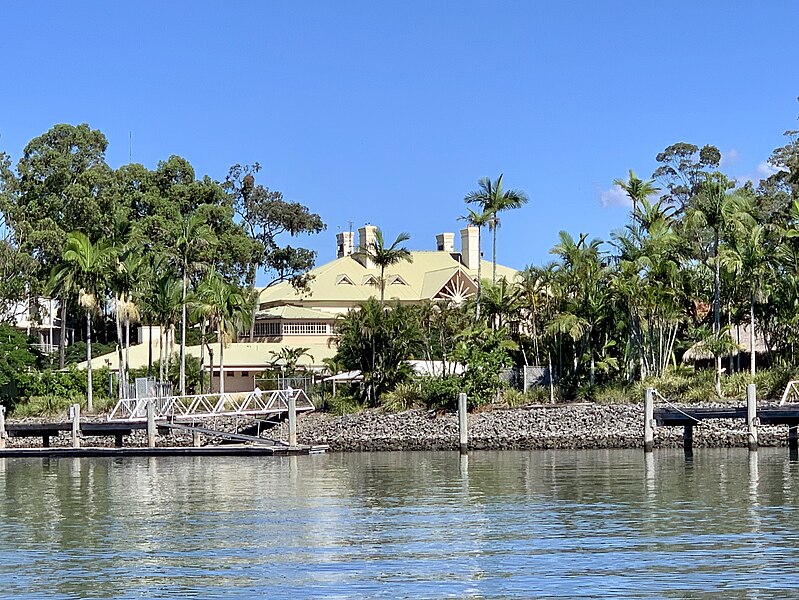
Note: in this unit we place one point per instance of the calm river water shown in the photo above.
(422, 525)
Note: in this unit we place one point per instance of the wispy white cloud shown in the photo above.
(763, 170)
(615, 196)
(729, 158)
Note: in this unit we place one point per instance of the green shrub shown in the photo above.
(441, 392)
(403, 397)
(344, 403)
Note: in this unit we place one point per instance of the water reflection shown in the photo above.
(556, 524)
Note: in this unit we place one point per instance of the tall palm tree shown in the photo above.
(752, 260)
(164, 306)
(85, 267)
(192, 237)
(385, 256)
(494, 200)
(479, 220)
(637, 189)
(715, 209)
(228, 311)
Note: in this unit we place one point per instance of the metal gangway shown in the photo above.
(256, 403)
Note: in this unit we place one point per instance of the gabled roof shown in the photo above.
(424, 277)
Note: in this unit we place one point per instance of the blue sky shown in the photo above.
(389, 112)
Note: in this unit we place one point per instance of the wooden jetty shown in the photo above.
(152, 415)
(689, 417)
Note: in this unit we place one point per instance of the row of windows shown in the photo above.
(276, 328)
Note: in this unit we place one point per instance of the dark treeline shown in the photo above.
(161, 247)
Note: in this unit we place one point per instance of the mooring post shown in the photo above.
(74, 414)
(292, 419)
(649, 417)
(751, 415)
(3, 434)
(463, 424)
(792, 437)
(196, 439)
(688, 438)
(150, 424)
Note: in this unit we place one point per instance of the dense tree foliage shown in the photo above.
(121, 246)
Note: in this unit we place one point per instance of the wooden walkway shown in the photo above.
(783, 415)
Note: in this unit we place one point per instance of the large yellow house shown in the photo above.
(291, 318)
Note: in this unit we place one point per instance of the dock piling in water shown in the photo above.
(649, 417)
(292, 419)
(150, 424)
(3, 434)
(462, 424)
(74, 414)
(751, 416)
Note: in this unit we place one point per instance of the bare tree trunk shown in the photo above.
(479, 274)
(494, 258)
(120, 366)
(717, 305)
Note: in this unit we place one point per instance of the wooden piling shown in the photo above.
(196, 439)
(793, 438)
(688, 438)
(74, 414)
(463, 424)
(3, 434)
(649, 417)
(751, 416)
(150, 424)
(292, 419)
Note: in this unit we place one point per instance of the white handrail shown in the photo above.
(790, 391)
(254, 403)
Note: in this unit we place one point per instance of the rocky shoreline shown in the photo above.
(560, 426)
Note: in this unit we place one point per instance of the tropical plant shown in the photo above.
(494, 200)
(386, 256)
(228, 312)
(85, 267)
(479, 220)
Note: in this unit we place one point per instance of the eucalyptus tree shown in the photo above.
(386, 256)
(85, 267)
(228, 312)
(479, 220)
(683, 167)
(62, 184)
(267, 217)
(493, 200)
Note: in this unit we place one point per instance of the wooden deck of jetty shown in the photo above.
(751, 414)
